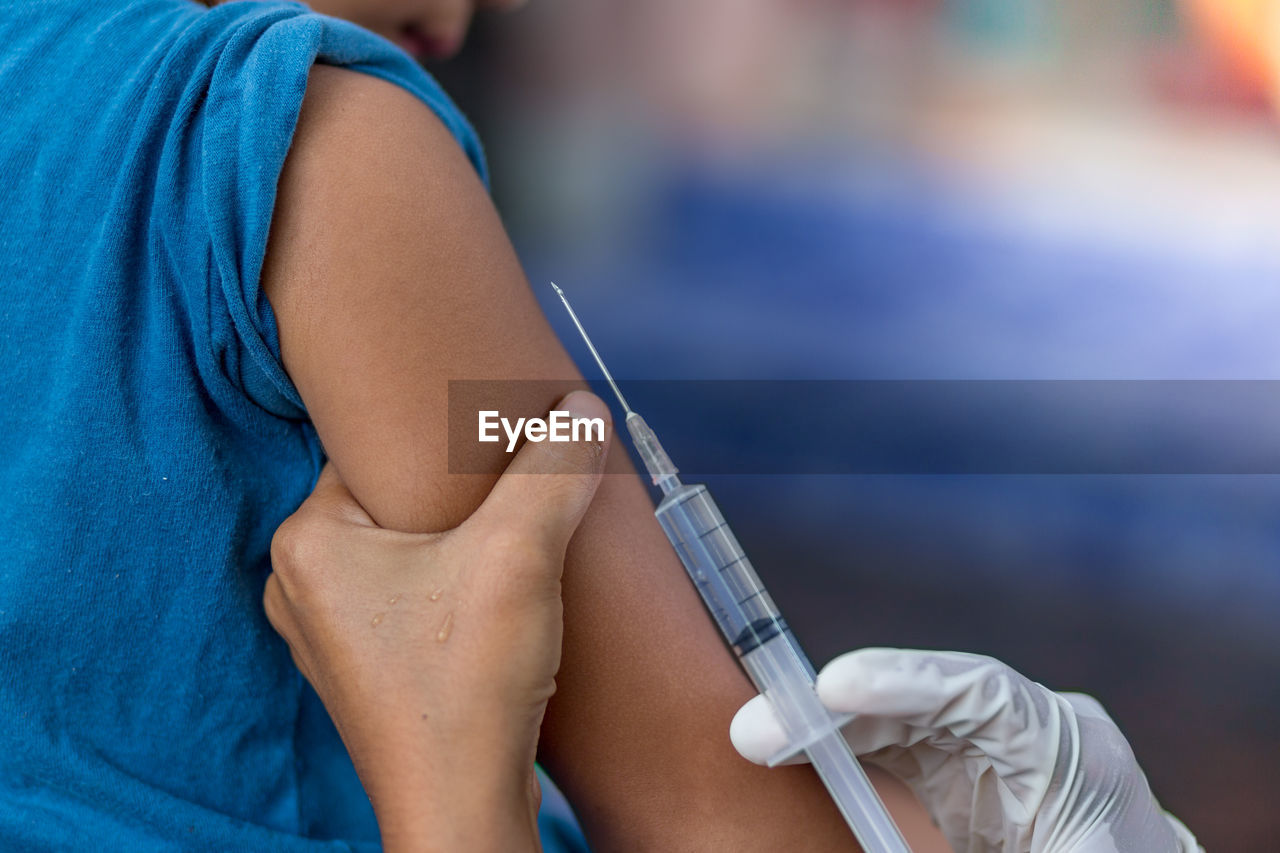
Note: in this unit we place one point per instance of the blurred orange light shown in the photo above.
(1247, 35)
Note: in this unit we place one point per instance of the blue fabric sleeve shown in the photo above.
(247, 121)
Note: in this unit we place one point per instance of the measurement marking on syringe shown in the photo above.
(765, 644)
(707, 533)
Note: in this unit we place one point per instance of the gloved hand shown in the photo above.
(1000, 762)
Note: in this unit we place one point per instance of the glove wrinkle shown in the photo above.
(1001, 762)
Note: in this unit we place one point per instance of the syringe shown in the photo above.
(760, 637)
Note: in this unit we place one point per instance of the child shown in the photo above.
(174, 381)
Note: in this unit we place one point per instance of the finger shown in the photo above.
(948, 698)
(278, 614)
(547, 488)
(273, 603)
(331, 497)
(757, 734)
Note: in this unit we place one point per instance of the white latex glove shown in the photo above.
(1000, 762)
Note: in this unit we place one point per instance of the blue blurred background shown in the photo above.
(969, 189)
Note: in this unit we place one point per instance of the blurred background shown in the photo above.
(942, 189)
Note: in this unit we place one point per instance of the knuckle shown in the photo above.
(299, 548)
(285, 544)
(579, 457)
(567, 458)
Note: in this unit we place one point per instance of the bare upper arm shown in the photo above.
(390, 274)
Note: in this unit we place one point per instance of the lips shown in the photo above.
(422, 45)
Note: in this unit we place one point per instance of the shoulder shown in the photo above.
(372, 172)
(286, 82)
(360, 125)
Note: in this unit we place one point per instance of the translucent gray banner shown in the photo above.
(919, 426)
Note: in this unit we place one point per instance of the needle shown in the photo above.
(591, 346)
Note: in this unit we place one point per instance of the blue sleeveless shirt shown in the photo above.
(150, 440)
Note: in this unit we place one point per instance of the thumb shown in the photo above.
(757, 734)
(548, 486)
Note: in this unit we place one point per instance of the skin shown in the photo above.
(456, 634)
(390, 274)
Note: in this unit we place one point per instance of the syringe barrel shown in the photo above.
(720, 569)
(772, 658)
